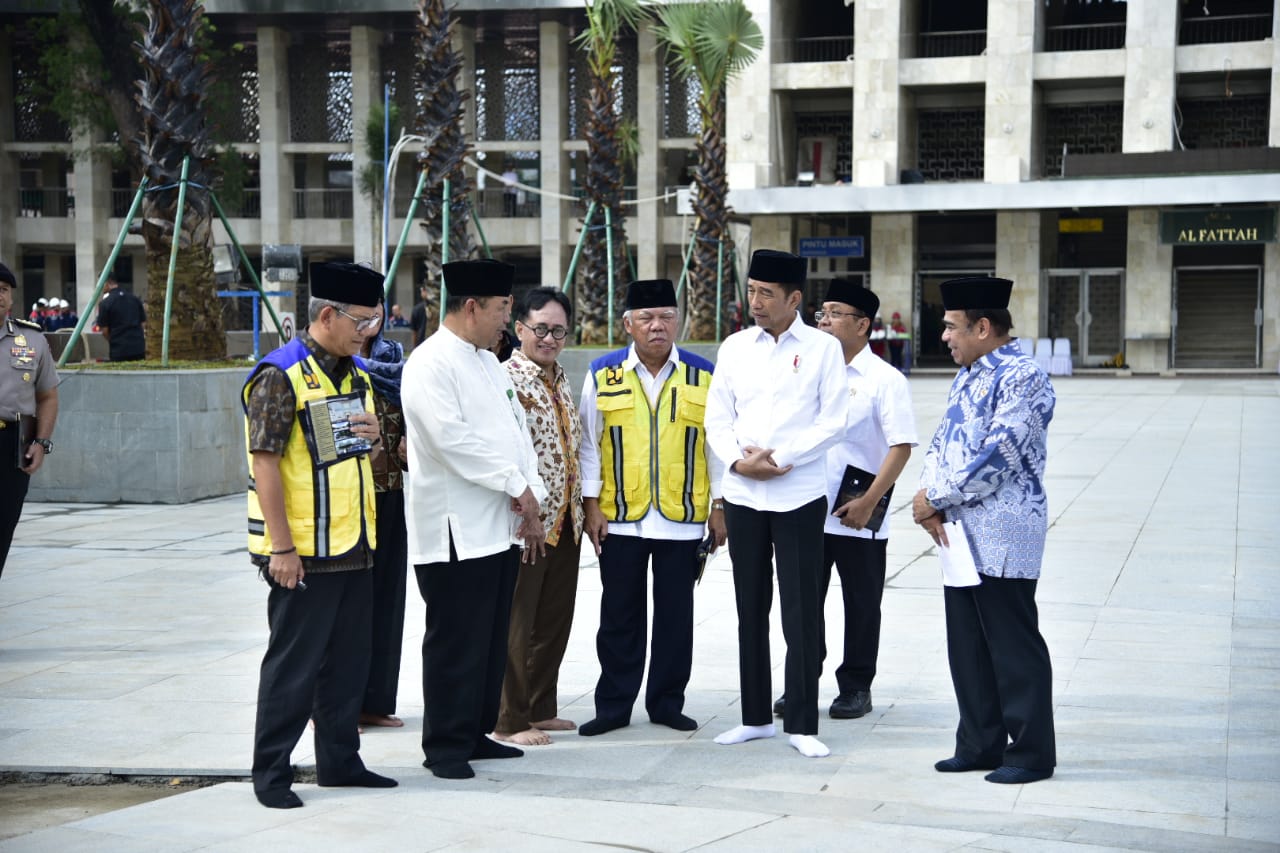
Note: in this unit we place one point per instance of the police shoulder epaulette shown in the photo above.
(27, 324)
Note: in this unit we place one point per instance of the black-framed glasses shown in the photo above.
(541, 330)
(363, 324)
(836, 315)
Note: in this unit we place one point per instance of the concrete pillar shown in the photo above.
(1150, 82)
(1148, 294)
(273, 119)
(366, 91)
(773, 232)
(1010, 90)
(1273, 137)
(92, 169)
(1018, 258)
(752, 154)
(644, 226)
(893, 260)
(1271, 307)
(553, 117)
(8, 166)
(877, 126)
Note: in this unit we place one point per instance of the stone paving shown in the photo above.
(130, 637)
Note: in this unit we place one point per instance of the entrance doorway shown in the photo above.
(1086, 306)
(1217, 316)
(926, 332)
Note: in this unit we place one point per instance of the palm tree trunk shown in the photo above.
(711, 212)
(439, 122)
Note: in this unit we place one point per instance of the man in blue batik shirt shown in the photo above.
(985, 469)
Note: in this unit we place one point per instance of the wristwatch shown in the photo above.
(45, 443)
(718, 503)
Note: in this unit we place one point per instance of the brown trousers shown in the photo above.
(541, 616)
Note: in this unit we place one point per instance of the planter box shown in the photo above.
(147, 436)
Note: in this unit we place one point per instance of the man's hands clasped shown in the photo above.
(530, 529)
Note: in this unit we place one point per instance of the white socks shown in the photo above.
(809, 746)
(742, 734)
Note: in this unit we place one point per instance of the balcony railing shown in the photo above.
(1224, 28)
(249, 205)
(322, 204)
(46, 201)
(494, 202)
(952, 43)
(1084, 37)
(818, 49)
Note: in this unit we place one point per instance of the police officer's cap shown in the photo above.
(976, 292)
(7, 277)
(478, 278)
(852, 293)
(774, 267)
(651, 293)
(339, 281)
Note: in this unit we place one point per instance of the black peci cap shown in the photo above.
(976, 292)
(342, 281)
(478, 278)
(852, 293)
(776, 267)
(651, 293)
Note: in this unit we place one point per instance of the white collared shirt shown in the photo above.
(654, 525)
(880, 417)
(469, 451)
(788, 394)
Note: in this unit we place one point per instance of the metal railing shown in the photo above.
(951, 43)
(494, 202)
(121, 198)
(322, 204)
(248, 206)
(818, 49)
(1224, 28)
(1084, 37)
(46, 201)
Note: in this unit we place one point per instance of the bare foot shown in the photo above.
(383, 721)
(529, 737)
(555, 724)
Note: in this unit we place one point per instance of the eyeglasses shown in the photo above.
(836, 315)
(363, 324)
(541, 330)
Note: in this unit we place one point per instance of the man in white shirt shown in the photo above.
(472, 495)
(778, 401)
(877, 440)
(642, 414)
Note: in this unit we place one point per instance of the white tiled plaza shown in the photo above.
(130, 637)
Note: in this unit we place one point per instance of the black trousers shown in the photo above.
(861, 564)
(316, 665)
(1002, 674)
(13, 489)
(464, 650)
(624, 568)
(794, 539)
(390, 570)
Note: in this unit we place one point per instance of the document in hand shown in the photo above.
(958, 567)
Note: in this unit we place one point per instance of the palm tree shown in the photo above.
(607, 20)
(171, 98)
(712, 42)
(439, 123)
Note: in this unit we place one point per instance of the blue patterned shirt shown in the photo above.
(985, 465)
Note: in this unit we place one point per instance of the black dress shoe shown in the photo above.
(780, 706)
(364, 779)
(1008, 775)
(279, 798)
(850, 706)
(956, 764)
(600, 725)
(487, 748)
(450, 769)
(679, 722)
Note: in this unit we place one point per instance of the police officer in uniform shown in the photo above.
(28, 387)
(312, 534)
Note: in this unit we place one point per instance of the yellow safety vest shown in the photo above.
(649, 455)
(329, 508)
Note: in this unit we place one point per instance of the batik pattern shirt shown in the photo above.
(985, 465)
(556, 430)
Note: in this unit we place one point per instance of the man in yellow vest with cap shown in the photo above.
(649, 485)
(310, 429)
